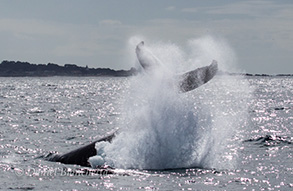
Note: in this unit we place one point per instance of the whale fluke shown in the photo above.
(193, 79)
(81, 155)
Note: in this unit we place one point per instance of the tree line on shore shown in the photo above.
(18, 68)
(21, 69)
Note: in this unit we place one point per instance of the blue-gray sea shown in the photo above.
(233, 133)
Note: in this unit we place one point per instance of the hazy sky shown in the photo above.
(96, 32)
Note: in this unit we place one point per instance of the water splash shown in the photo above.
(162, 128)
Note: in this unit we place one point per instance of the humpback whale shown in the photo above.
(186, 82)
(80, 155)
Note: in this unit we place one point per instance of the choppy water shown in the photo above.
(58, 114)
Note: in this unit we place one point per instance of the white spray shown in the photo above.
(162, 128)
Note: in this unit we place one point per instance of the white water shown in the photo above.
(161, 128)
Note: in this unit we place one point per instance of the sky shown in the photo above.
(96, 33)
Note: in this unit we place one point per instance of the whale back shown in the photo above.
(81, 155)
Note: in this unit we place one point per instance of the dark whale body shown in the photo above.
(81, 155)
(186, 82)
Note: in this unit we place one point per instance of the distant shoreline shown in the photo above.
(248, 74)
(26, 69)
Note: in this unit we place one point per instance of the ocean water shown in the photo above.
(233, 133)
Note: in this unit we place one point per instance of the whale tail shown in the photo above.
(193, 79)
